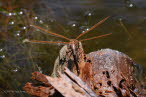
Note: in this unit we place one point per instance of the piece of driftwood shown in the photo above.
(112, 76)
(107, 72)
(68, 84)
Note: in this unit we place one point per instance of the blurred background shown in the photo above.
(18, 60)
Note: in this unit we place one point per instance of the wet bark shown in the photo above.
(67, 84)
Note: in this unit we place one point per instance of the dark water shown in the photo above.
(69, 18)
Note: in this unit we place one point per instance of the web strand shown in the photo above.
(93, 27)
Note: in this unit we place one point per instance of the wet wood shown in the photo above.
(77, 80)
(68, 84)
(105, 73)
(114, 74)
(39, 91)
(40, 77)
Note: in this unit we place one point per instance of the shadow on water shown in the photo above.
(69, 18)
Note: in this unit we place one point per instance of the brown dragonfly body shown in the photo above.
(108, 72)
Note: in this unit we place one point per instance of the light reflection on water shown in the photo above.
(69, 18)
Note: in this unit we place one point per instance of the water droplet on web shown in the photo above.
(83, 31)
(36, 18)
(25, 40)
(120, 18)
(10, 14)
(73, 25)
(1, 50)
(11, 23)
(40, 69)
(41, 21)
(3, 56)
(89, 14)
(21, 12)
(131, 5)
(18, 34)
(84, 28)
(87, 29)
(15, 70)
(24, 27)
